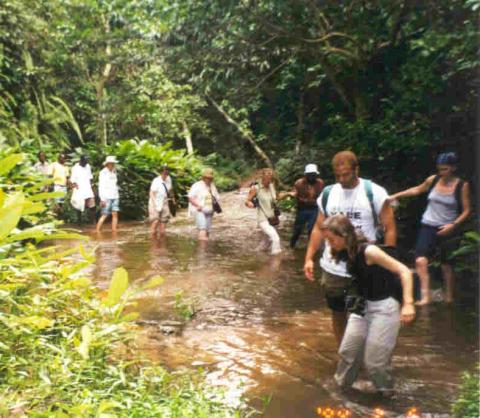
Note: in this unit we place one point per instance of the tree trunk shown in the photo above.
(188, 138)
(301, 123)
(244, 133)
(102, 132)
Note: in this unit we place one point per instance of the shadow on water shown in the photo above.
(262, 330)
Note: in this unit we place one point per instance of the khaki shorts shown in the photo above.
(163, 216)
(335, 289)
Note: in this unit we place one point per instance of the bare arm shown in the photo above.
(466, 203)
(374, 255)
(316, 240)
(387, 218)
(414, 191)
(251, 194)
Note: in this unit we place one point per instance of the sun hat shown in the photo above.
(311, 169)
(110, 159)
(207, 172)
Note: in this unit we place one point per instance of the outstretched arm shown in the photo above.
(316, 240)
(414, 191)
(375, 255)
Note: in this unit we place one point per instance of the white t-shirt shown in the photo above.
(159, 189)
(201, 192)
(82, 176)
(107, 185)
(354, 204)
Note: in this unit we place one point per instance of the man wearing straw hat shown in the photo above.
(203, 199)
(108, 193)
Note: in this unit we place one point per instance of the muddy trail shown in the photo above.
(260, 330)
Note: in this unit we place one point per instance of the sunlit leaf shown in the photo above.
(8, 163)
(10, 213)
(118, 286)
(154, 282)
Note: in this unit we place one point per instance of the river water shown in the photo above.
(261, 330)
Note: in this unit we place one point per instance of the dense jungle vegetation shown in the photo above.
(234, 84)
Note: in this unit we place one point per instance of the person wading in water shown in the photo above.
(306, 190)
(366, 205)
(379, 300)
(447, 209)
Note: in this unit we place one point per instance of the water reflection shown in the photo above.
(262, 329)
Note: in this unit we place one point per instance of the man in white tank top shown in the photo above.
(366, 205)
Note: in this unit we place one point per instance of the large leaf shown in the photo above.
(118, 286)
(7, 164)
(10, 213)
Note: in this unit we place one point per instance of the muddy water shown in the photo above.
(261, 330)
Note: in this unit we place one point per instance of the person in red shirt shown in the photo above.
(306, 190)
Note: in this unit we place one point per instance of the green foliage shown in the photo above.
(64, 350)
(184, 308)
(466, 255)
(468, 403)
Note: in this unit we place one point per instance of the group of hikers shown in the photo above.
(368, 291)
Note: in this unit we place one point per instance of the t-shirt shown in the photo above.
(43, 168)
(158, 187)
(307, 194)
(354, 204)
(59, 172)
(82, 176)
(202, 193)
(107, 185)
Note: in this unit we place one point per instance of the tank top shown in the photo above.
(375, 282)
(442, 209)
(266, 197)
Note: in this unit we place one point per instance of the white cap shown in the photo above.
(110, 159)
(311, 168)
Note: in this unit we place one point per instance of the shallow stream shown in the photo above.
(261, 330)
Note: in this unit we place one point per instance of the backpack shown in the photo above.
(369, 192)
(457, 192)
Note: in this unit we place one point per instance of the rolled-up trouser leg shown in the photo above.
(272, 234)
(351, 350)
(383, 326)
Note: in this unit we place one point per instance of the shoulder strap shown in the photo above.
(166, 189)
(368, 190)
(434, 183)
(458, 195)
(326, 193)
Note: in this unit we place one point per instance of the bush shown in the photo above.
(64, 351)
(468, 403)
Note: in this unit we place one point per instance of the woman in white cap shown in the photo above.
(108, 193)
(203, 198)
(263, 196)
(306, 190)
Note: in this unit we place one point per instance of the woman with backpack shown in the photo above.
(448, 207)
(379, 300)
(263, 196)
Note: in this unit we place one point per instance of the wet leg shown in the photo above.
(100, 222)
(114, 221)
(421, 265)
